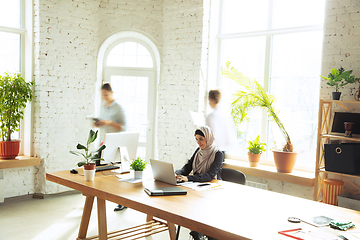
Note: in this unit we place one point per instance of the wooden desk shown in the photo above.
(231, 211)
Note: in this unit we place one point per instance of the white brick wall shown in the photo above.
(341, 46)
(179, 87)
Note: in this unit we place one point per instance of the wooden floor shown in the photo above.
(58, 218)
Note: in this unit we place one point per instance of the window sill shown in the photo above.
(269, 172)
(20, 161)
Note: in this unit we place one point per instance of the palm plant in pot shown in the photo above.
(138, 165)
(253, 96)
(15, 92)
(89, 156)
(255, 148)
(339, 78)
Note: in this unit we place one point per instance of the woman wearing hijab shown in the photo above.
(205, 163)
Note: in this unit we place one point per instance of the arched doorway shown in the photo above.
(130, 64)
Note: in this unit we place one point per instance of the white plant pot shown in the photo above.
(89, 175)
(138, 174)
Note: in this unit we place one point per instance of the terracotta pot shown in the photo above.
(89, 172)
(9, 150)
(284, 161)
(254, 159)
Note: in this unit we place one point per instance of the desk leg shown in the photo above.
(102, 218)
(172, 230)
(86, 217)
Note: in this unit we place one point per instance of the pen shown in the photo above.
(215, 186)
(288, 235)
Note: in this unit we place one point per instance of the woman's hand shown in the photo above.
(181, 178)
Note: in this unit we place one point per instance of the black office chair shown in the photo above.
(232, 175)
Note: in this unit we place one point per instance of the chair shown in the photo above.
(232, 175)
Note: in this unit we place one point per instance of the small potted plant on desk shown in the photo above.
(339, 78)
(89, 157)
(15, 92)
(255, 149)
(138, 165)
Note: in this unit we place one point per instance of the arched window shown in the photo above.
(129, 54)
(130, 64)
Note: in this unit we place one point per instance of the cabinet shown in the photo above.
(324, 136)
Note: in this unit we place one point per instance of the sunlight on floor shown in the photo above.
(58, 218)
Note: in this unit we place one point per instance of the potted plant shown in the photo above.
(255, 148)
(339, 78)
(254, 96)
(138, 165)
(15, 92)
(89, 156)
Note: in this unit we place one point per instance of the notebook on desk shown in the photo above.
(165, 191)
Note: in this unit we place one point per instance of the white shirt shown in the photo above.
(222, 125)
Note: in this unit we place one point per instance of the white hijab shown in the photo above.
(205, 157)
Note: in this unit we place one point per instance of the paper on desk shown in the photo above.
(195, 186)
(129, 180)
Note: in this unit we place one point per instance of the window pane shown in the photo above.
(238, 16)
(288, 14)
(296, 62)
(10, 13)
(9, 52)
(130, 54)
(132, 94)
(248, 56)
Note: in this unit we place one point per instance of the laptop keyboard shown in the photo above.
(107, 167)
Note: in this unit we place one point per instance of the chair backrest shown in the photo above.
(233, 175)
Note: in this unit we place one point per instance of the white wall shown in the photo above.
(68, 35)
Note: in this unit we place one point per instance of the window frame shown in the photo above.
(26, 69)
(216, 38)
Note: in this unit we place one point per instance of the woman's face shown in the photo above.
(201, 141)
(107, 95)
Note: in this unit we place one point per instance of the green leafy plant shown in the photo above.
(255, 146)
(15, 92)
(138, 164)
(253, 96)
(339, 78)
(90, 157)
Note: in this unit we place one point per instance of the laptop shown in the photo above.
(163, 171)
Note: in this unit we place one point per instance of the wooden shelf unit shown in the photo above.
(324, 124)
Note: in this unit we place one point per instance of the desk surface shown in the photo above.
(231, 211)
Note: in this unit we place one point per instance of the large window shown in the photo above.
(279, 43)
(13, 39)
(10, 39)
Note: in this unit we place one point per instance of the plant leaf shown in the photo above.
(77, 153)
(80, 164)
(80, 146)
